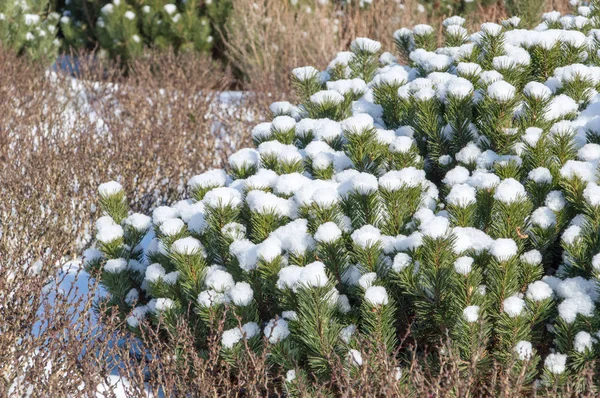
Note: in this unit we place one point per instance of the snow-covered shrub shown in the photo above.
(124, 27)
(455, 196)
(28, 28)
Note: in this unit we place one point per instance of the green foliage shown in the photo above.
(452, 199)
(28, 27)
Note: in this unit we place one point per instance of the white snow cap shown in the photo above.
(407, 177)
(241, 294)
(540, 175)
(401, 261)
(305, 73)
(376, 296)
(583, 341)
(524, 350)
(509, 191)
(501, 91)
(591, 193)
(172, 226)
(556, 363)
(328, 232)
(313, 275)
(326, 97)
(436, 227)
(277, 330)
(471, 313)
(503, 249)
(461, 195)
(366, 236)
(164, 304)
(543, 217)
(115, 266)
(187, 246)
(463, 265)
(209, 179)
(247, 157)
(222, 197)
(513, 306)
(109, 188)
(109, 233)
(218, 280)
(539, 291)
(365, 44)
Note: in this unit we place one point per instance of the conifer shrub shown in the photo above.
(123, 28)
(29, 28)
(454, 197)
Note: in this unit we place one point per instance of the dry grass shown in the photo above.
(60, 138)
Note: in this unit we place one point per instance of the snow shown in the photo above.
(461, 195)
(347, 332)
(164, 304)
(283, 123)
(510, 191)
(468, 154)
(276, 330)
(591, 193)
(471, 313)
(556, 363)
(577, 304)
(583, 342)
(231, 337)
(269, 250)
(396, 179)
(596, 262)
(532, 257)
(401, 261)
(555, 200)
(458, 175)
(305, 73)
(109, 233)
(435, 228)
(524, 350)
(366, 281)
(162, 213)
(540, 175)
(470, 238)
(109, 188)
(376, 296)
(115, 266)
(313, 275)
(463, 265)
(245, 252)
(348, 86)
(537, 91)
(328, 232)
(491, 29)
(366, 236)
(503, 249)
(363, 44)
(501, 91)
(172, 227)
(210, 298)
(543, 217)
(513, 306)
(358, 123)
(210, 179)
(326, 97)
(241, 294)
(219, 280)
(223, 197)
(560, 106)
(288, 277)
